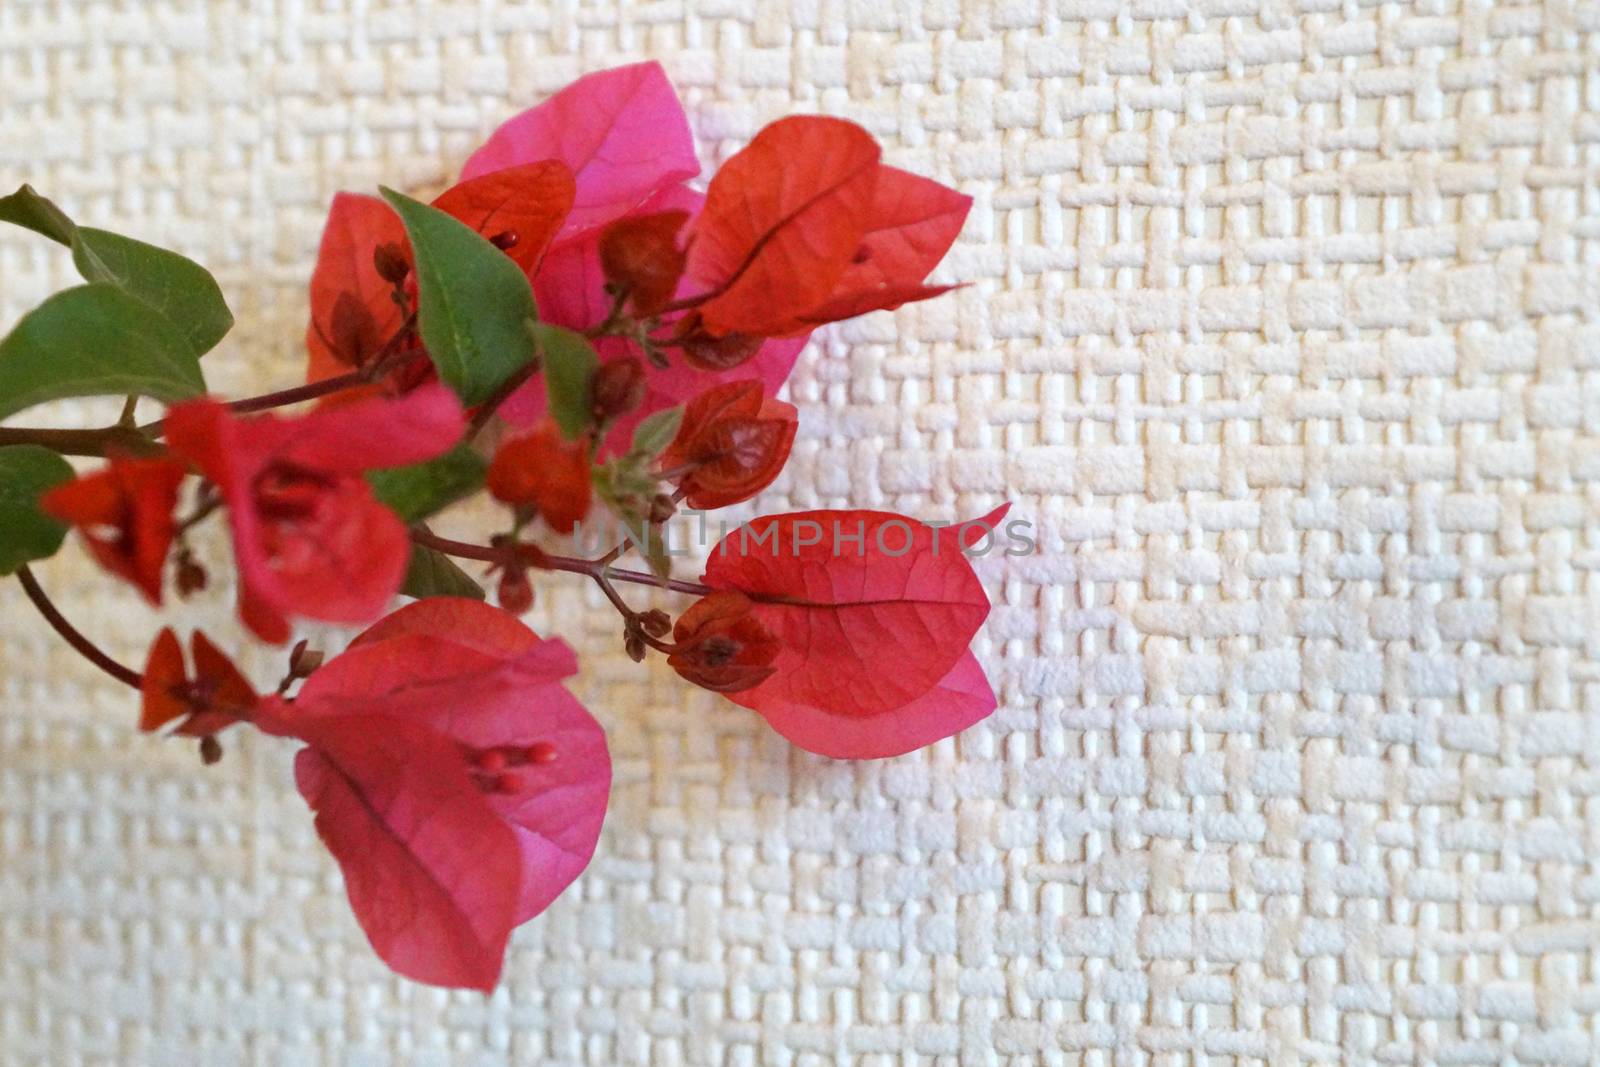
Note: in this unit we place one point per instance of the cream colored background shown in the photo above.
(1283, 328)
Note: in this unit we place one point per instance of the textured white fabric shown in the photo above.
(1283, 328)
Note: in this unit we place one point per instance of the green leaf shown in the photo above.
(28, 209)
(177, 287)
(569, 363)
(656, 432)
(432, 573)
(474, 301)
(94, 340)
(173, 285)
(26, 533)
(420, 490)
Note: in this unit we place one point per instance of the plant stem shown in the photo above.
(85, 647)
(81, 442)
(594, 568)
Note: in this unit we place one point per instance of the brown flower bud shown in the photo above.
(516, 592)
(210, 749)
(389, 260)
(191, 576)
(303, 660)
(633, 644)
(617, 388)
(706, 352)
(656, 622)
(662, 508)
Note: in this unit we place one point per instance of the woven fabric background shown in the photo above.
(1285, 331)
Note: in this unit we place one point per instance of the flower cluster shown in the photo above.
(576, 330)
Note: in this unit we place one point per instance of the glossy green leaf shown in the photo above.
(172, 285)
(568, 361)
(422, 489)
(432, 573)
(656, 432)
(177, 287)
(28, 209)
(474, 303)
(94, 340)
(26, 533)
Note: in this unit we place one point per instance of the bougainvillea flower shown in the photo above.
(622, 132)
(873, 613)
(571, 291)
(457, 783)
(214, 697)
(542, 470)
(805, 226)
(309, 537)
(721, 645)
(124, 512)
(733, 441)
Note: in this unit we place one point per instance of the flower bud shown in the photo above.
(705, 352)
(515, 592)
(640, 256)
(655, 622)
(191, 576)
(303, 660)
(389, 260)
(210, 749)
(633, 644)
(617, 388)
(662, 508)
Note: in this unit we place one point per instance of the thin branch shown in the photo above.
(594, 568)
(85, 647)
(388, 357)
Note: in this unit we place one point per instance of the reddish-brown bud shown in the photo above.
(389, 260)
(655, 622)
(633, 644)
(617, 388)
(191, 576)
(662, 508)
(706, 352)
(210, 749)
(515, 592)
(303, 659)
(722, 646)
(640, 256)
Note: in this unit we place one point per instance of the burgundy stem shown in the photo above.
(85, 647)
(594, 568)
